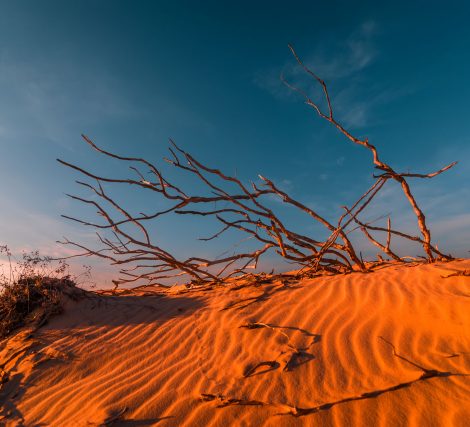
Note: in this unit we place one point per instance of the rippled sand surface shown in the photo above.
(388, 348)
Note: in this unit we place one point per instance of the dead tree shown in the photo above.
(244, 209)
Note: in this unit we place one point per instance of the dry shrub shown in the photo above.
(31, 290)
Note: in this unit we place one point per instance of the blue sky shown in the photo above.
(132, 74)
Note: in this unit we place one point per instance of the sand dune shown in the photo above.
(389, 348)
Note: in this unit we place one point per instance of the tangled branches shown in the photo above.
(244, 210)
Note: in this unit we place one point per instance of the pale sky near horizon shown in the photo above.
(132, 74)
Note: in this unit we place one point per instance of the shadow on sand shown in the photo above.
(94, 310)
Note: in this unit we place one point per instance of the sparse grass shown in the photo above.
(30, 300)
(31, 291)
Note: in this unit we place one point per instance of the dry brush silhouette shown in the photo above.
(246, 210)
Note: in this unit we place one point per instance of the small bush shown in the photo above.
(29, 300)
(31, 291)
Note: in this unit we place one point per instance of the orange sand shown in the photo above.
(317, 353)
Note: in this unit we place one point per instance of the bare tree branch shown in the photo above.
(240, 208)
(389, 172)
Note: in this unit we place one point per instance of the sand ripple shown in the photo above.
(390, 348)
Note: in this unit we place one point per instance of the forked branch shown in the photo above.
(388, 171)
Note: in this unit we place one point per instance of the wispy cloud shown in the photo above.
(55, 98)
(344, 59)
(341, 64)
(330, 60)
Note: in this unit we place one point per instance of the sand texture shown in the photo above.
(388, 348)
